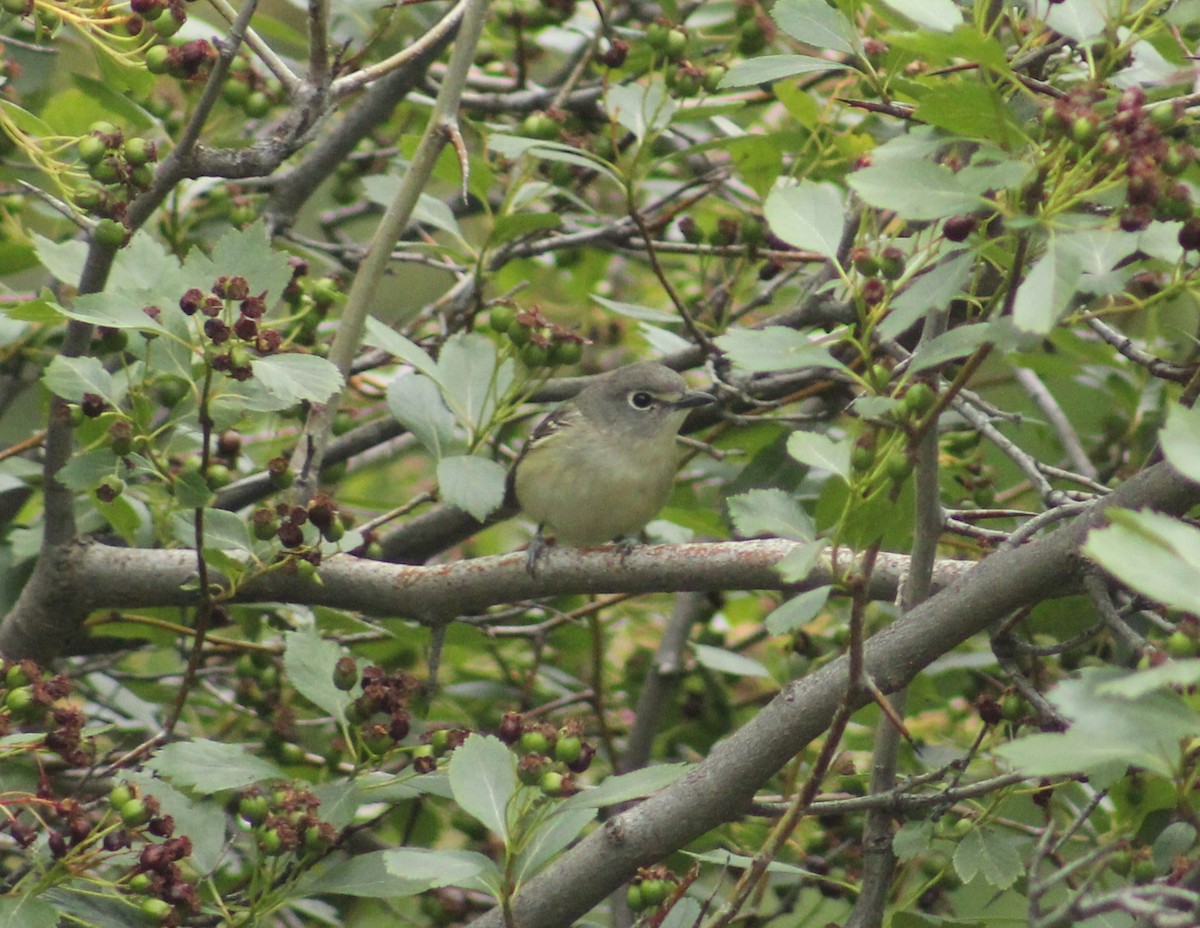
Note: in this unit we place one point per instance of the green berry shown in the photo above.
(567, 351)
(919, 398)
(235, 92)
(135, 813)
(155, 910)
(110, 233)
(568, 749)
(257, 105)
(158, 59)
(500, 318)
(534, 742)
(91, 149)
(551, 783)
(633, 897)
(534, 355)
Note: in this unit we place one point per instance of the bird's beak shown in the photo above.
(693, 398)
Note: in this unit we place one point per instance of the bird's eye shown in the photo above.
(641, 400)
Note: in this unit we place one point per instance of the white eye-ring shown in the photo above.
(641, 400)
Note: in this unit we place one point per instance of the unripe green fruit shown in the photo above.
(135, 813)
(568, 749)
(919, 398)
(119, 795)
(1181, 644)
(169, 23)
(140, 883)
(897, 466)
(566, 352)
(235, 92)
(655, 892)
(155, 911)
(20, 701)
(534, 355)
(158, 59)
(257, 105)
(633, 897)
(16, 677)
(110, 233)
(500, 318)
(551, 783)
(91, 149)
(534, 742)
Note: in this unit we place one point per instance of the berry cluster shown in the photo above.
(119, 169)
(550, 757)
(287, 522)
(233, 337)
(533, 14)
(651, 888)
(538, 341)
(165, 17)
(190, 61)
(251, 91)
(381, 711)
(31, 701)
(1145, 142)
(285, 821)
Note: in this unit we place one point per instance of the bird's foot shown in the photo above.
(537, 547)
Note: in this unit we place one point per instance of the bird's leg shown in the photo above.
(537, 547)
(626, 544)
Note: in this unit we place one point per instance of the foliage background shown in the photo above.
(283, 285)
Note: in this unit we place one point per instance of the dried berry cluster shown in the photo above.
(380, 713)
(235, 337)
(30, 701)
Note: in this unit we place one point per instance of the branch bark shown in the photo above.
(720, 787)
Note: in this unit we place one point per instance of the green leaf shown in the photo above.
(1108, 734)
(225, 530)
(471, 378)
(628, 786)
(915, 189)
(211, 766)
(64, 260)
(1047, 289)
(1081, 20)
(1180, 440)
(295, 377)
(775, 348)
(417, 404)
(938, 15)
(381, 336)
(808, 215)
(308, 662)
(816, 23)
(551, 837)
(518, 225)
(472, 483)
(686, 913)
(1153, 553)
(483, 777)
(797, 611)
(992, 856)
(723, 858)
(725, 661)
(770, 512)
(248, 253)
(399, 872)
(71, 378)
(1180, 672)
(514, 146)
(641, 108)
(933, 289)
(799, 563)
(86, 468)
(818, 451)
(913, 840)
(969, 109)
(27, 911)
(642, 313)
(766, 69)
(441, 868)
(960, 342)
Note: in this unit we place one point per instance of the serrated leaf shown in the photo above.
(417, 404)
(1180, 440)
(211, 766)
(400, 872)
(913, 840)
(628, 786)
(816, 23)
(992, 857)
(308, 662)
(817, 450)
(797, 611)
(295, 377)
(378, 335)
(632, 311)
(86, 469)
(1108, 734)
(1047, 289)
(915, 188)
(71, 378)
(641, 108)
(1180, 672)
(1153, 553)
(248, 253)
(64, 260)
(766, 69)
(939, 15)
(798, 564)
(550, 838)
(442, 868)
(775, 348)
(807, 215)
(517, 225)
(470, 378)
(475, 485)
(483, 777)
(27, 911)
(770, 512)
(725, 661)
(932, 290)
